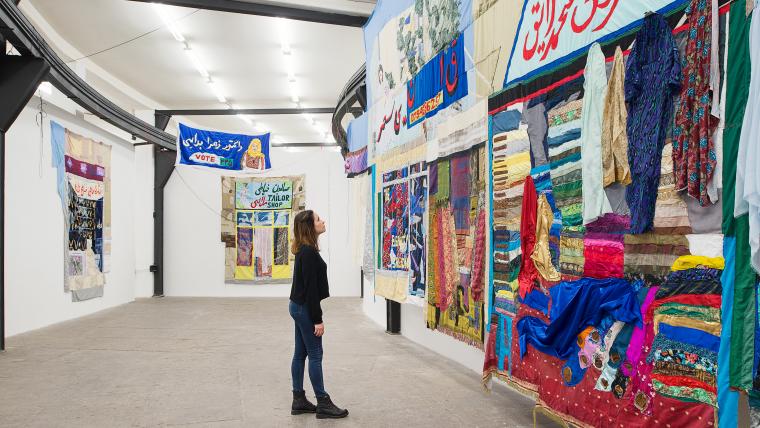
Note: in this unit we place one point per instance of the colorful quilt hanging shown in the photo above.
(84, 186)
(456, 250)
(257, 217)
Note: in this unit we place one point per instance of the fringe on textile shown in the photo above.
(461, 337)
(527, 390)
(560, 417)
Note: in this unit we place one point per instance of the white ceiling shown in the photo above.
(242, 53)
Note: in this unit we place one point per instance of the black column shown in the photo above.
(2, 243)
(163, 160)
(392, 317)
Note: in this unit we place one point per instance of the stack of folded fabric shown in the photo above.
(563, 139)
(649, 256)
(511, 165)
(685, 317)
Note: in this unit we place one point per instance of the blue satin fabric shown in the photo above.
(538, 301)
(575, 306)
(691, 336)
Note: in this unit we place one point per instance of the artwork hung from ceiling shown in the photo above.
(221, 150)
(257, 219)
(418, 68)
(456, 250)
(609, 263)
(613, 265)
(400, 273)
(83, 168)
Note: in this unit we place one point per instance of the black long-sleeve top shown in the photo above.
(310, 285)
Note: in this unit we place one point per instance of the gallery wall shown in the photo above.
(34, 288)
(194, 252)
(413, 328)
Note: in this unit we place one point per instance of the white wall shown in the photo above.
(34, 239)
(194, 253)
(413, 327)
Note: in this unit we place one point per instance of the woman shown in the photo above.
(309, 288)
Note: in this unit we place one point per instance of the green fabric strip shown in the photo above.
(737, 91)
(743, 322)
(444, 182)
(738, 74)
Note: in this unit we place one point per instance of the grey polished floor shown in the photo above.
(226, 363)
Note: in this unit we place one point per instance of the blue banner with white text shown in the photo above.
(440, 82)
(232, 152)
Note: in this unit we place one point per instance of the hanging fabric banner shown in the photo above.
(439, 83)
(232, 152)
(257, 220)
(264, 195)
(552, 32)
(84, 186)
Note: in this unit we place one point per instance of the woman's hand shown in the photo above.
(319, 329)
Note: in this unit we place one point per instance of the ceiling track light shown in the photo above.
(215, 89)
(197, 62)
(162, 11)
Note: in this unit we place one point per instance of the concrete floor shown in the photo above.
(226, 363)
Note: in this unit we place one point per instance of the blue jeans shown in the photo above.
(307, 344)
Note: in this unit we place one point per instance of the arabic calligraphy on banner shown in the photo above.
(439, 83)
(555, 30)
(388, 122)
(263, 195)
(234, 152)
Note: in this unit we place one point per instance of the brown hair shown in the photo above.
(304, 232)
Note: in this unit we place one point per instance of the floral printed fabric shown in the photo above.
(694, 157)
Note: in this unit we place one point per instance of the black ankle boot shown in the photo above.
(327, 410)
(301, 405)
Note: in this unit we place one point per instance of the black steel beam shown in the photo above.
(305, 145)
(355, 92)
(271, 10)
(161, 120)
(28, 41)
(163, 167)
(248, 111)
(2, 241)
(19, 78)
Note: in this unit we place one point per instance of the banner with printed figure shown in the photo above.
(257, 217)
(84, 186)
(232, 152)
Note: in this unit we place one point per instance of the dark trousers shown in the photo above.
(307, 344)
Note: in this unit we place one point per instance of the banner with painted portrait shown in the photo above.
(231, 152)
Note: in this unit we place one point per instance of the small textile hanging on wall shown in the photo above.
(402, 241)
(456, 250)
(257, 216)
(84, 186)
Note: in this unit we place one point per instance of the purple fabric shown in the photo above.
(460, 191)
(610, 223)
(356, 162)
(433, 178)
(637, 338)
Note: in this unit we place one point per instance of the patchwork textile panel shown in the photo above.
(257, 217)
(456, 250)
(403, 216)
(84, 186)
(599, 305)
